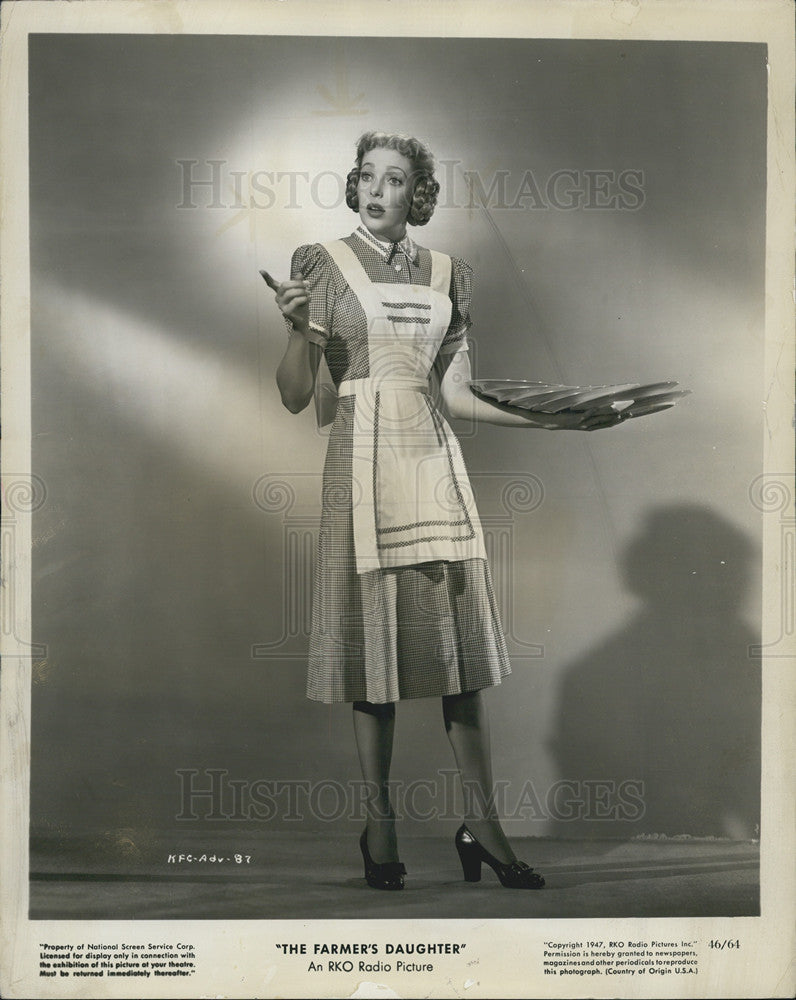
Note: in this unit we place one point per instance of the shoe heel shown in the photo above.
(471, 863)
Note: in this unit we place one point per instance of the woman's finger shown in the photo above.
(291, 307)
(599, 421)
(273, 285)
(278, 286)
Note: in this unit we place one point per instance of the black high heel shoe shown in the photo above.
(514, 875)
(384, 875)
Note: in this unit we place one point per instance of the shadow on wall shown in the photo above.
(674, 699)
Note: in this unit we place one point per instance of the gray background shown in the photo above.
(161, 558)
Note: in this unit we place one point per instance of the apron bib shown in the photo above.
(412, 500)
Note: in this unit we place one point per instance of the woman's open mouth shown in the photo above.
(375, 210)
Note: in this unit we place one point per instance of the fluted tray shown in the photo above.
(631, 398)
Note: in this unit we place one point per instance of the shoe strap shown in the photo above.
(520, 866)
(389, 869)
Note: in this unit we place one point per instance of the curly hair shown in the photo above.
(423, 187)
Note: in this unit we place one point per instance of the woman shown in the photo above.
(403, 604)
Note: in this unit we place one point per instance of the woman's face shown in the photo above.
(383, 192)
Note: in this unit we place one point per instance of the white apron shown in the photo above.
(412, 500)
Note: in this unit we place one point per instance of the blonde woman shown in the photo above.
(403, 604)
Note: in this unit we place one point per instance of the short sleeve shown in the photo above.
(312, 262)
(455, 338)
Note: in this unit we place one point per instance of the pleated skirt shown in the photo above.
(406, 632)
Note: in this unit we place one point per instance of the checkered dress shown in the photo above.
(404, 632)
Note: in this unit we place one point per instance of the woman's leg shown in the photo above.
(467, 724)
(373, 727)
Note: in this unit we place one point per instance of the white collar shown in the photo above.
(386, 249)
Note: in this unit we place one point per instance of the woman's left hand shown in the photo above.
(585, 420)
(589, 420)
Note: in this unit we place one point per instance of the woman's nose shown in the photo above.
(375, 188)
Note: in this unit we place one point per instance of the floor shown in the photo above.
(300, 875)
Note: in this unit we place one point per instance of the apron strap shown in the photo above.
(440, 272)
(353, 272)
(360, 284)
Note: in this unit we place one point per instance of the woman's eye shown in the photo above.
(365, 176)
(396, 181)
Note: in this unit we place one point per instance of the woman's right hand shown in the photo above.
(293, 300)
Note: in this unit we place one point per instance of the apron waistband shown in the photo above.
(353, 386)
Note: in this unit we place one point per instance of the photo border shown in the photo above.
(240, 958)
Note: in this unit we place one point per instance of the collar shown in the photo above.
(387, 250)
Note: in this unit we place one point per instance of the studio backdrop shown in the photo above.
(610, 198)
